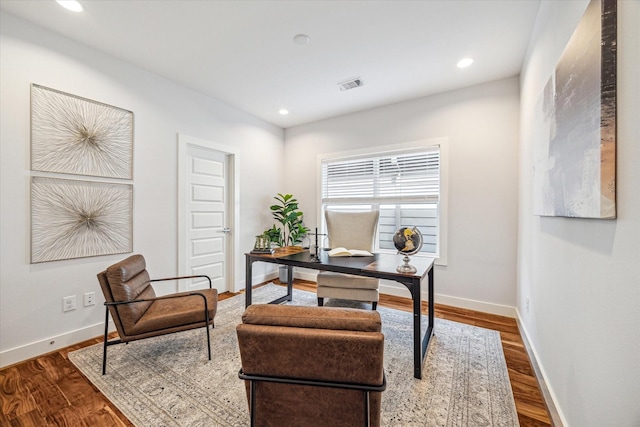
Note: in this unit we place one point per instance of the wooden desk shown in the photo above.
(379, 266)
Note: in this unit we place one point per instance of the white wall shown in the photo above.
(481, 124)
(583, 276)
(31, 295)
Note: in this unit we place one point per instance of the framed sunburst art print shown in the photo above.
(75, 135)
(76, 219)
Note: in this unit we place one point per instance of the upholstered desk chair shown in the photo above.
(312, 366)
(138, 313)
(351, 230)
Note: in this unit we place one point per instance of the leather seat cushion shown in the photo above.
(172, 312)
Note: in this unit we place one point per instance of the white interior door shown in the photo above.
(205, 205)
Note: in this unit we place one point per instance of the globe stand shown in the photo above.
(406, 268)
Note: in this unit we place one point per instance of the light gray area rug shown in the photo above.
(168, 381)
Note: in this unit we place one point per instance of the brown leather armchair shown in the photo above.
(312, 366)
(138, 313)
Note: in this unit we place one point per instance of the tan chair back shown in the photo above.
(352, 230)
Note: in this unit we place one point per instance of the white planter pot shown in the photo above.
(283, 274)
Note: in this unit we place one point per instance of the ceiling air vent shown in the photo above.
(350, 84)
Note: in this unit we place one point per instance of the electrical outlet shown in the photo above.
(89, 299)
(69, 303)
(526, 304)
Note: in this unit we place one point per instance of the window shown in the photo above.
(404, 185)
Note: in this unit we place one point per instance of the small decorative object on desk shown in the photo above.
(327, 245)
(408, 241)
(313, 247)
(262, 245)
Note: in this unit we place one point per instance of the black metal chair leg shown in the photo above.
(206, 329)
(252, 404)
(366, 409)
(106, 333)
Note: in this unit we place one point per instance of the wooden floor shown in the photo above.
(50, 391)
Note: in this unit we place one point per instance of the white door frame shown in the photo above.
(233, 205)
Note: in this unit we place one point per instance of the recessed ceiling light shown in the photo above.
(72, 5)
(283, 111)
(464, 62)
(301, 39)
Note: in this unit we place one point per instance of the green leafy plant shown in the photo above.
(286, 212)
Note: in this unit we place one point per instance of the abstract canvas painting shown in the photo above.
(74, 219)
(575, 145)
(75, 135)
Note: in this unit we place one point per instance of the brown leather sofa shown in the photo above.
(138, 313)
(312, 366)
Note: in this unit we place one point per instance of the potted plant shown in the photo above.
(291, 230)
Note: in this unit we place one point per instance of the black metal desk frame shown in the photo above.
(381, 266)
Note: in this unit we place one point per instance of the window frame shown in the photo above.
(392, 150)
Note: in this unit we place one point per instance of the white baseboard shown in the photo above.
(391, 288)
(557, 419)
(261, 278)
(38, 348)
(305, 274)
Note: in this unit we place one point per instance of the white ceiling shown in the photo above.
(242, 52)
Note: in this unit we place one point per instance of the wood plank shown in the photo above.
(48, 397)
(15, 399)
(66, 417)
(526, 421)
(80, 394)
(29, 419)
(107, 417)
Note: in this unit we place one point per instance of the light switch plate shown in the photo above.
(89, 299)
(69, 303)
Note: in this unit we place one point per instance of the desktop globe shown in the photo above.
(408, 241)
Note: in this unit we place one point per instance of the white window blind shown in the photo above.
(401, 178)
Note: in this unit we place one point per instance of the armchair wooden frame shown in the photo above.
(110, 306)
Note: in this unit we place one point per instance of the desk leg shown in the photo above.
(431, 302)
(290, 283)
(417, 326)
(289, 295)
(248, 282)
(420, 346)
(424, 346)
